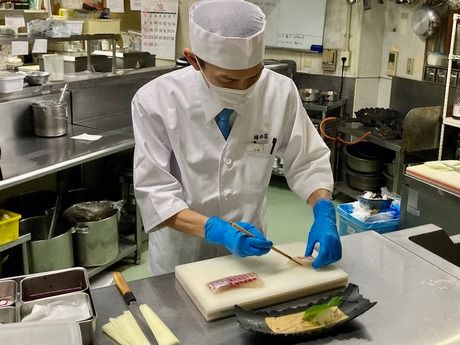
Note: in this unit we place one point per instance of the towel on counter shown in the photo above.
(125, 330)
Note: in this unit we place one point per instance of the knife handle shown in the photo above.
(123, 286)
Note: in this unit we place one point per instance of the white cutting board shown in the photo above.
(449, 180)
(278, 280)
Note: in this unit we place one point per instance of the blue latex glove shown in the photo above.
(324, 231)
(218, 231)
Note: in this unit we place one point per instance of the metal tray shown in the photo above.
(40, 286)
(8, 293)
(353, 305)
(53, 283)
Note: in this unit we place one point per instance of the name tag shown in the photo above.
(252, 147)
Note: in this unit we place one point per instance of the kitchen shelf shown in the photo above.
(452, 57)
(452, 122)
(16, 11)
(89, 66)
(21, 241)
(342, 187)
(9, 39)
(393, 144)
(127, 248)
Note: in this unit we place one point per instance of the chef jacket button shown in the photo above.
(228, 161)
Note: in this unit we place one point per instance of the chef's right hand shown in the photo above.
(218, 231)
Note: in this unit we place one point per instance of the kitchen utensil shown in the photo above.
(425, 21)
(244, 231)
(309, 95)
(130, 300)
(278, 280)
(353, 304)
(364, 181)
(34, 78)
(61, 98)
(55, 216)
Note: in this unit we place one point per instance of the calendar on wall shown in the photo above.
(159, 27)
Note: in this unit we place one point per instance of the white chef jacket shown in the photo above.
(181, 159)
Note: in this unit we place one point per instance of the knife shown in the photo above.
(131, 301)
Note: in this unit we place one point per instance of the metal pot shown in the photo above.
(50, 118)
(329, 96)
(366, 157)
(96, 241)
(48, 254)
(364, 182)
(309, 95)
(425, 21)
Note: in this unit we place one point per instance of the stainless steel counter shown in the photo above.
(30, 157)
(417, 301)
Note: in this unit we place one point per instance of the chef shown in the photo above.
(206, 137)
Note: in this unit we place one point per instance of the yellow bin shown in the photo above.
(101, 26)
(9, 226)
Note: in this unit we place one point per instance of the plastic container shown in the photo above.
(40, 333)
(11, 82)
(75, 26)
(101, 26)
(350, 225)
(9, 228)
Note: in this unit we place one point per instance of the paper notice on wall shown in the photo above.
(40, 46)
(19, 48)
(116, 6)
(159, 26)
(135, 5)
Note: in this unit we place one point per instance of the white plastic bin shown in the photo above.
(101, 26)
(11, 82)
(40, 333)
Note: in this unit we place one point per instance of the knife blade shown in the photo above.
(133, 307)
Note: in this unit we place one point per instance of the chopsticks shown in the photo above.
(244, 231)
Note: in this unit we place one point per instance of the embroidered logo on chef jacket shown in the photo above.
(261, 138)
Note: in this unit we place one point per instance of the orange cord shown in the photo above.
(323, 132)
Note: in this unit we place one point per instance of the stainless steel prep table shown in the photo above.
(27, 158)
(417, 301)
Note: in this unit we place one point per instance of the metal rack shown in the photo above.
(87, 38)
(449, 121)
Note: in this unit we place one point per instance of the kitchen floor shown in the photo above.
(289, 219)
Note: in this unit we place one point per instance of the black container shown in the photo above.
(30, 204)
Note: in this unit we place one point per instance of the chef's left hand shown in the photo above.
(324, 231)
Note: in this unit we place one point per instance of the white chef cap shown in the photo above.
(227, 33)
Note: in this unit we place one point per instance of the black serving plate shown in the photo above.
(354, 304)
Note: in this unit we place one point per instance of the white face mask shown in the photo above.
(229, 98)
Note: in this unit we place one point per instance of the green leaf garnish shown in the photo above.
(314, 310)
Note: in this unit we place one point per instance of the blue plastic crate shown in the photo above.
(350, 225)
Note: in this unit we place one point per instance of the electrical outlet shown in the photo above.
(410, 66)
(345, 54)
